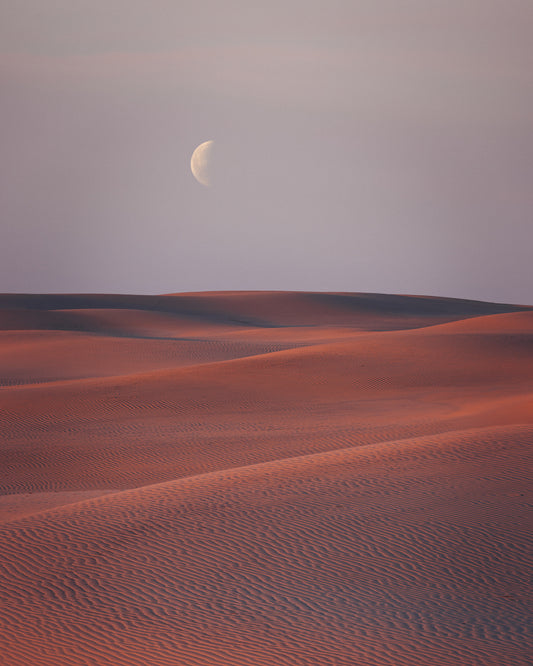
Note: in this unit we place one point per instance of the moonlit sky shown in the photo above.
(361, 145)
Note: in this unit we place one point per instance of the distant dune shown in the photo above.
(265, 478)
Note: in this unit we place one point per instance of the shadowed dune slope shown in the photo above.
(402, 553)
(264, 478)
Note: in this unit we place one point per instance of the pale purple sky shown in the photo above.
(373, 145)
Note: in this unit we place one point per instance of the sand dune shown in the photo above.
(264, 309)
(34, 357)
(264, 478)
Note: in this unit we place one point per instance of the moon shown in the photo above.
(201, 163)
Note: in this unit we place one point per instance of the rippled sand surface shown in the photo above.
(265, 478)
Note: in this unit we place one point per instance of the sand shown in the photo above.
(265, 478)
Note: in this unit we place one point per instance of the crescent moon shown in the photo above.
(201, 166)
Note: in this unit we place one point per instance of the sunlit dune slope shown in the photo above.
(257, 478)
(400, 553)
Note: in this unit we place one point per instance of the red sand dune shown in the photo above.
(265, 478)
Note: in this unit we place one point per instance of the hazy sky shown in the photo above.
(373, 145)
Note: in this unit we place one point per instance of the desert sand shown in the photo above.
(265, 479)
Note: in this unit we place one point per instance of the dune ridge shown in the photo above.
(265, 478)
